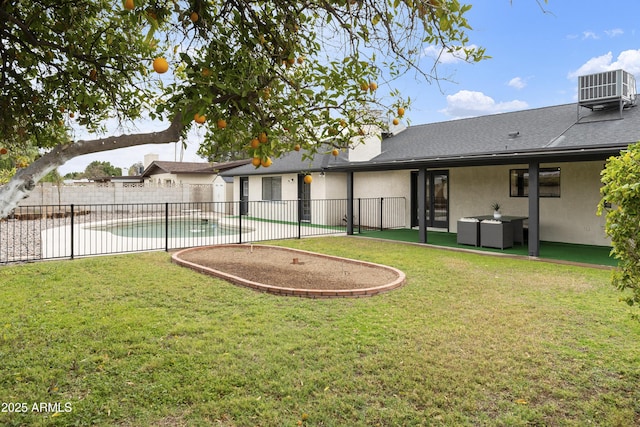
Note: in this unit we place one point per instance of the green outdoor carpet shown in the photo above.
(588, 254)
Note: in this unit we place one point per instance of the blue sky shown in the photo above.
(536, 56)
(536, 60)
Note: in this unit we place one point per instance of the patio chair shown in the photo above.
(496, 234)
(469, 231)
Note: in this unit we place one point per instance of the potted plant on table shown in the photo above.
(496, 210)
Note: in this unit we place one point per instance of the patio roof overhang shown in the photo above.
(582, 153)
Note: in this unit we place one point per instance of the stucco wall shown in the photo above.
(385, 184)
(570, 218)
(382, 184)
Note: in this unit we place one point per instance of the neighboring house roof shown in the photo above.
(127, 179)
(293, 162)
(557, 133)
(203, 168)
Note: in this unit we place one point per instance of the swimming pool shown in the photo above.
(177, 228)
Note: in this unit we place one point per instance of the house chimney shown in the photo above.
(150, 158)
(366, 147)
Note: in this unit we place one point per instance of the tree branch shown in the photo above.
(25, 180)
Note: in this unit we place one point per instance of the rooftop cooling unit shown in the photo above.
(609, 88)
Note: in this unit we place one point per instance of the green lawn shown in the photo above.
(134, 340)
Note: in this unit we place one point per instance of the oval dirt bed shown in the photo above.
(294, 272)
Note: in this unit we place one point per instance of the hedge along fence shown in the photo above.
(68, 231)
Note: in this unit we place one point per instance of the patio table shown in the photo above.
(516, 224)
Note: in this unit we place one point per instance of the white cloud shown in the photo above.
(468, 103)
(628, 60)
(517, 82)
(446, 57)
(589, 35)
(614, 32)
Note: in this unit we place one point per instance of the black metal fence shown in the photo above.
(67, 231)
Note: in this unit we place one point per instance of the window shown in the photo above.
(272, 188)
(549, 180)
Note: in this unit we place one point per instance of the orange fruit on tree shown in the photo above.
(205, 72)
(129, 5)
(256, 161)
(255, 143)
(296, 147)
(3, 151)
(199, 118)
(266, 162)
(222, 124)
(401, 111)
(194, 17)
(300, 59)
(263, 138)
(308, 179)
(373, 86)
(335, 152)
(160, 65)
(364, 86)
(396, 122)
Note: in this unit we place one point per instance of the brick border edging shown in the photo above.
(282, 291)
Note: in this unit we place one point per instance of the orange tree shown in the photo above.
(291, 73)
(621, 202)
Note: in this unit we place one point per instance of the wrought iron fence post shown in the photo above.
(240, 221)
(166, 227)
(299, 218)
(72, 236)
(359, 215)
(381, 210)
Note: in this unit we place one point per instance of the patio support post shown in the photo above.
(422, 205)
(350, 203)
(534, 209)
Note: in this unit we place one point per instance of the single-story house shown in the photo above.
(172, 173)
(169, 173)
(541, 164)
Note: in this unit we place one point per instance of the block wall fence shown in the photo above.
(117, 193)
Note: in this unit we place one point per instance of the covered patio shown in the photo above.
(556, 251)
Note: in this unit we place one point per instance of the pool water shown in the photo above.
(178, 228)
